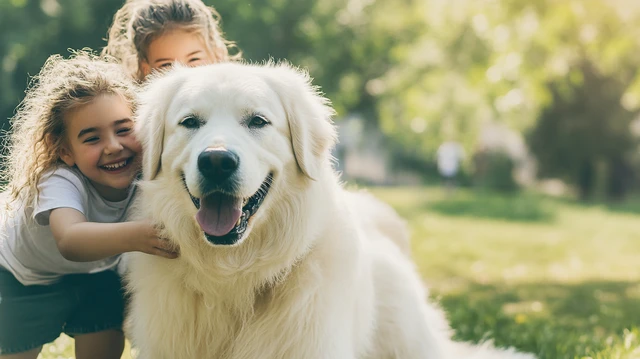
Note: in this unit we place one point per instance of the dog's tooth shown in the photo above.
(239, 221)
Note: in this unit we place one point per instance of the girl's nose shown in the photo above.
(113, 146)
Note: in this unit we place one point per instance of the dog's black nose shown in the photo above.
(217, 165)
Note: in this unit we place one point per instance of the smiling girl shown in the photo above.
(69, 171)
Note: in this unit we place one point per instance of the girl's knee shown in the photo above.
(108, 344)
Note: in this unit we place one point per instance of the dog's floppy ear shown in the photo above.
(309, 115)
(153, 103)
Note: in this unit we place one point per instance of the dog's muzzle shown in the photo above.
(217, 212)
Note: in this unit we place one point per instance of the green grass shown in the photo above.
(548, 276)
(552, 277)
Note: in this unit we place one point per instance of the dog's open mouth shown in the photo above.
(224, 218)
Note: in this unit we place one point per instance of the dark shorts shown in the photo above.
(31, 316)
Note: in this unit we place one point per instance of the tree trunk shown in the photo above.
(586, 177)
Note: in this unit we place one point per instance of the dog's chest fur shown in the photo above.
(224, 318)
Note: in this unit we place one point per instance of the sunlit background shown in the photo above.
(536, 244)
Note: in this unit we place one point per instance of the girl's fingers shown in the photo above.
(164, 244)
(164, 248)
(166, 253)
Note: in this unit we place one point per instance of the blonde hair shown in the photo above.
(38, 128)
(139, 22)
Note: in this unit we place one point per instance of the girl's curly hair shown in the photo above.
(139, 22)
(38, 127)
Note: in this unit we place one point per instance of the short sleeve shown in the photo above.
(60, 189)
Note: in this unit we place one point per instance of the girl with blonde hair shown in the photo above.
(71, 163)
(147, 35)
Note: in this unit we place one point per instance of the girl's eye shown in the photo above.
(123, 131)
(194, 59)
(166, 65)
(91, 140)
(258, 121)
(191, 122)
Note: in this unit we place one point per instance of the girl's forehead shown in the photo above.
(102, 110)
(175, 43)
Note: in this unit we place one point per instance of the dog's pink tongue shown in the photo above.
(218, 214)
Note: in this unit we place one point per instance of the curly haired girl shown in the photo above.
(72, 158)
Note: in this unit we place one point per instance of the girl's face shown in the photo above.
(99, 140)
(185, 47)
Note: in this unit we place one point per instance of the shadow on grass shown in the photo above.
(630, 205)
(509, 207)
(551, 320)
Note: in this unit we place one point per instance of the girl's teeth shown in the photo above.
(115, 166)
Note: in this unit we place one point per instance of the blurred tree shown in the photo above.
(584, 125)
(344, 45)
(593, 96)
(536, 66)
(420, 71)
(32, 30)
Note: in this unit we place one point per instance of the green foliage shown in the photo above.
(507, 61)
(344, 47)
(585, 123)
(592, 98)
(421, 71)
(494, 170)
(32, 30)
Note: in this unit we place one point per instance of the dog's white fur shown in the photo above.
(317, 276)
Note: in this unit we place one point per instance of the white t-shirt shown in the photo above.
(27, 247)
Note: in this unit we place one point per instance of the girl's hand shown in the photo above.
(150, 242)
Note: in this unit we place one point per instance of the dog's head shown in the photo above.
(231, 132)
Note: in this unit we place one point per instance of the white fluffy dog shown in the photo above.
(277, 260)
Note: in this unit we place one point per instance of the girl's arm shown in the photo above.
(82, 241)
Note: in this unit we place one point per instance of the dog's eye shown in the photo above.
(258, 122)
(191, 122)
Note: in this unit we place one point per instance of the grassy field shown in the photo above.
(548, 276)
